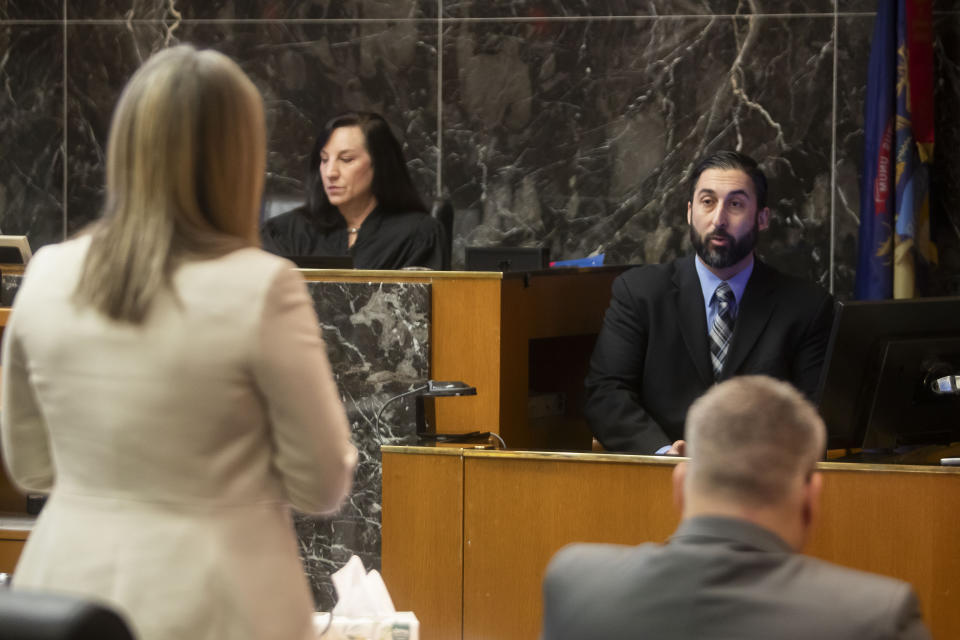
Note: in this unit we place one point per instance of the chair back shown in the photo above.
(443, 212)
(27, 615)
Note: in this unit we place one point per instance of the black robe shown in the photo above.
(386, 240)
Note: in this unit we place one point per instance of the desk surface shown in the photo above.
(426, 275)
(628, 458)
(16, 524)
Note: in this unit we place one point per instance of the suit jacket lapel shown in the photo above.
(693, 323)
(755, 310)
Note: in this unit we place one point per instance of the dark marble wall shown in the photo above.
(569, 123)
(378, 341)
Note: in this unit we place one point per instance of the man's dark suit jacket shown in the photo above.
(652, 357)
(720, 578)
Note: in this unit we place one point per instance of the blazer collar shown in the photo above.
(729, 531)
(755, 310)
(693, 323)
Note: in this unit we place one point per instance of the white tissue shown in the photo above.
(359, 593)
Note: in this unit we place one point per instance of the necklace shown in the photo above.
(353, 229)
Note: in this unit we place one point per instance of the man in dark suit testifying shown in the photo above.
(748, 497)
(673, 330)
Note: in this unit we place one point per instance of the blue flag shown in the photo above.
(875, 260)
(895, 247)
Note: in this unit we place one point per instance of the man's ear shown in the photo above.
(690, 211)
(811, 501)
(679, 479)
(763, 218)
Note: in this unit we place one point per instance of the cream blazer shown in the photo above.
(173, 449)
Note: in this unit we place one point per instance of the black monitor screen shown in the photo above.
(506, 258)
(889, 376)
(322, 262)
(10, 255)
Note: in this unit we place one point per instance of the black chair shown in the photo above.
(443, 212)
(26, 615)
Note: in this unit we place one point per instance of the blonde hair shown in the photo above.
(185, 171)
(751, 440)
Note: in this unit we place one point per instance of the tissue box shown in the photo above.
(402, 625)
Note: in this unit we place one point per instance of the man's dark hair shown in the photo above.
(391, 184)
(728, 160)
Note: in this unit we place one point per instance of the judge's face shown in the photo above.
(346, 168)
(724, 219)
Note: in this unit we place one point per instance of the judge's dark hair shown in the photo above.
(391, 185)
(728, 160)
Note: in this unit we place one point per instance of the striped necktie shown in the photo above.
(722, 327)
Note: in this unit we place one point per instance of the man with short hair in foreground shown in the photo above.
(748, 496)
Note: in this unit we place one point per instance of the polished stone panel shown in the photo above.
(250, 9)
(584, 124)
(580, 135)
(378, 341)
(31, 132)
(857, 6)
(574, 8)
(946, 175)
(307, 72)
(31, 10)
(100, 60)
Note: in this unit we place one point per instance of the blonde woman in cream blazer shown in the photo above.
(166, 382)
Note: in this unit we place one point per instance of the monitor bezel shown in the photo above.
(853, 367)
(21, 243)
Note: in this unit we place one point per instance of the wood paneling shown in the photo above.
(518, 513)
(482, 325)
(565, 304)
(465, 345)
(900, 524)
(10, 497)
(11, 544)
(422, 537)
(519, 508)
(464, 335)
(556, 305)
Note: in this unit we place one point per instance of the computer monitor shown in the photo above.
(890, 375)
(322, 262)
(506, 258)
(14, 250)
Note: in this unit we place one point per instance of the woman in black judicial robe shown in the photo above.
(360, 202)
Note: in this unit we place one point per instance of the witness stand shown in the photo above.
(467, 534)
